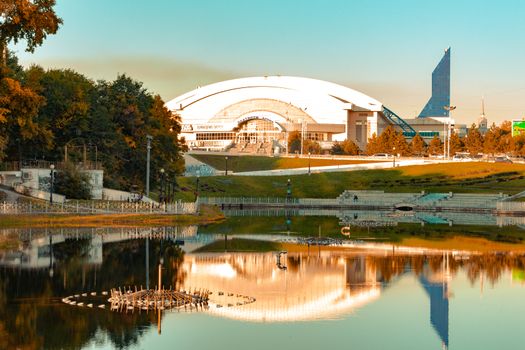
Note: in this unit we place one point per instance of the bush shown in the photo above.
(72, 183)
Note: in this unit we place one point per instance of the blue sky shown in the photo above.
(386, 49)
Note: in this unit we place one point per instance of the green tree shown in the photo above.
(72, 183)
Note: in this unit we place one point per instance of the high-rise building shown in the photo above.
(440, 90)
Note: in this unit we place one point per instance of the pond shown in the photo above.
(269, 289)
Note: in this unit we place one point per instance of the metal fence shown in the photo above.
(97, 207)
(511, 206)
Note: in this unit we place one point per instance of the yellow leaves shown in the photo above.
(129, 140)
(19, 105)
(3, 115)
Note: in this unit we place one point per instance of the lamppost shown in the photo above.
(51, 271)
(51, 190)
(449, 109)
(148, 138)
(197, 185)
(226, 160)
(302, 135)
(161, 196)
(309, 163)
(288, 191)
(394, 152)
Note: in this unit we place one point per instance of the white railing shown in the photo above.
(511, 206)
(97, 207)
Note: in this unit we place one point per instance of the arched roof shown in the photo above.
(326, 102)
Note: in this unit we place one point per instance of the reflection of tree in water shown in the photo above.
(491, 265)
(33, 317)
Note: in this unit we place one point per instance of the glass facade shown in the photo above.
(440, 90)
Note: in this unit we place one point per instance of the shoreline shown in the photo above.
(207, 214)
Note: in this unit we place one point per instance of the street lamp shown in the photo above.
(288, 191)
(449, 109)
(309, 163)
(226, 160)
(52, 167)
(148, 138)
(197, 185)
(302, 136)
(394, 152)
(161, 196)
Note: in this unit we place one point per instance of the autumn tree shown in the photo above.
(29, 20)
(348, 147)
(19, 108)
(435, 146)
(312, 147)
(491, 140)
(505, 142)
(294, 142)
(417, 145)
(519, 145)
(473, 140)
(456, 145)
(373, 145)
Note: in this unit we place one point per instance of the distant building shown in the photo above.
(440, 90)
(482, 120)
(256, 115)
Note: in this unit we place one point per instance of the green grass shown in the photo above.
(255, 163)
(453, 177)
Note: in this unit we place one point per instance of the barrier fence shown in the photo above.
(370, 199)
(97, 207)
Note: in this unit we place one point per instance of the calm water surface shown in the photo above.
(381, 297)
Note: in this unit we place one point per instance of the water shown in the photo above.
(377, 296)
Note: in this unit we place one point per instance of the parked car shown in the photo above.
(502, 160)
(382, 155)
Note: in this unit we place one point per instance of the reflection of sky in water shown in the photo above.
(340, 298)
(410, 312)
(400, 319)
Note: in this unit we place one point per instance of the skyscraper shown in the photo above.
(440, 89)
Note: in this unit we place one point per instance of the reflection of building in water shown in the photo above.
(437, 292)
(311, 288)
(436, 284)
(35, 251)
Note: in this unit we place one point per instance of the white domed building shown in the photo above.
(255, 115)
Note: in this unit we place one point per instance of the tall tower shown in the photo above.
(482, 120)
(440, 89)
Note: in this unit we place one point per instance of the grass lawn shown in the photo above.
(456, 177)
(254, 163)
(207, 214)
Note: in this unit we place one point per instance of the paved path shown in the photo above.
(11, 196)
(335, 168)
